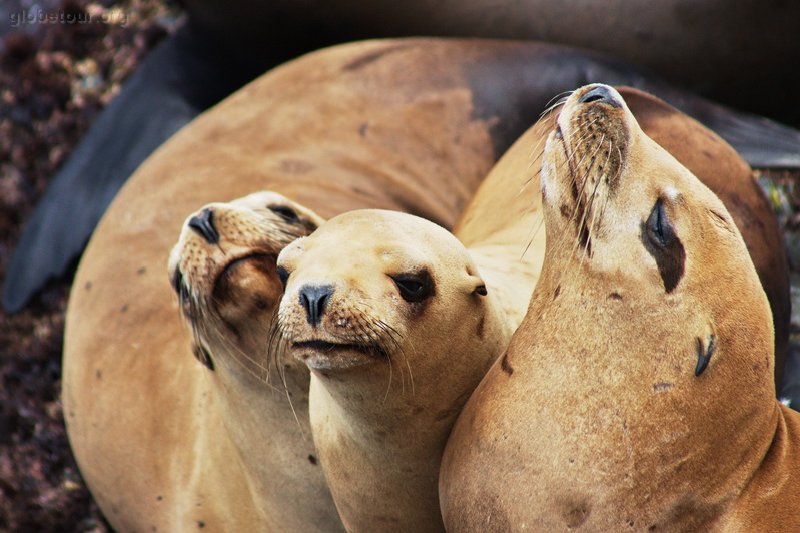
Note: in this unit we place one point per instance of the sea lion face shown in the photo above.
(223, 270)
(653, 246)
(366, 287)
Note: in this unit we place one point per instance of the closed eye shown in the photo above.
(660, 230)
(283, 275)
(286, 213)
(661, 240)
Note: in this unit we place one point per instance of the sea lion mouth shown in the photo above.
(324, 355)
(588, 149)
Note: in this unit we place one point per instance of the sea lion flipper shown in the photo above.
(175, 83)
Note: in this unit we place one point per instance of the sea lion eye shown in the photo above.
(414, 287)
(283, 275)
(286, 213)
(659, 228)
(662, 242)
(177, 281)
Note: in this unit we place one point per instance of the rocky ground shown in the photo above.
(54, 79)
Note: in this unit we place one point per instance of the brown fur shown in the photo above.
(502, 215)
(603, 423)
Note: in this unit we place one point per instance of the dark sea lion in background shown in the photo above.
(192, 70)
(638, 391)
(734, 53)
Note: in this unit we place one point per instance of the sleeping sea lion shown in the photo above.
(638, 392)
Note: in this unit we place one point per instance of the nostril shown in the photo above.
(203, 223)
(314, 299)
(601, 93)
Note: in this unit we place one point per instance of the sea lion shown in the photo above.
(191, 71)
(397, 326)
(665, 38)
(223, 270)
(638, 391)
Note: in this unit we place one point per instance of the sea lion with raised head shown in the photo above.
(502, 211)
(638, 391)
(397, 326)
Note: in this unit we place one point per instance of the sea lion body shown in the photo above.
(638, 392)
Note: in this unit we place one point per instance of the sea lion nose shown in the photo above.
(203, 223)
(602, 93)
(313, 300)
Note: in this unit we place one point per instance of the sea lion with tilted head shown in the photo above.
(638, 392)
(223, 270)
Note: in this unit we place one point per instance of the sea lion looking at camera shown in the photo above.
(638, 391)
(397, 326)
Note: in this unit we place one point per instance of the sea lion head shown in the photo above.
(223, 270)
(624, 217)
(372, 287)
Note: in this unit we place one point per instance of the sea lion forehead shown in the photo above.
(387, 234)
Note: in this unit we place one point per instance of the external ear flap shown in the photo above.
(202, 355)
(479, 286)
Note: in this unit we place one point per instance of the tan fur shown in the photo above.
(363, 125)
(594, 418)
(380, 419)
